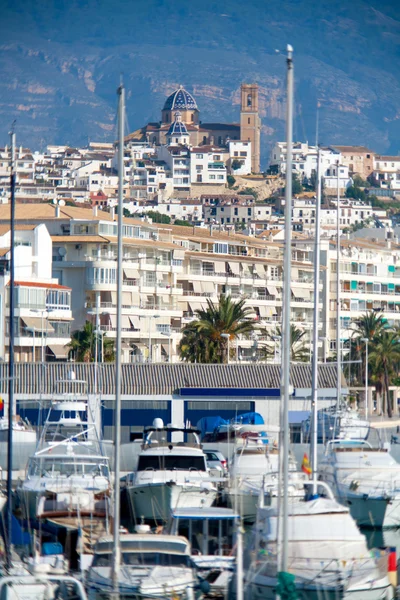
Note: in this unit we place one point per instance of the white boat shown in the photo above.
(212, 534)
(327, 555)
(68, 480)
(168, 475)
(152, 566)
(255, 467)
(337, 423)
(43, 587)
(23, 432)
(364, 478)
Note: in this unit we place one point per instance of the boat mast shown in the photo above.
(338, 353)
(285, 369)
(314, 383)
(118, 368)
(11, 352)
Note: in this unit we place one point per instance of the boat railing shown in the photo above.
(74, 588)
(370, 486)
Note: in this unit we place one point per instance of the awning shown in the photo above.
(272, 291)
(135, 321)
(125, 322)
(141, 347)
(58, 350)
(195, 306)
(234, 267)
(159, 275)
(208, 287)
(113, 297)
(197, 287)
(183, 305)
(219, 266)
(131, 273)
(113, 320)
(260, 271)
(294, 273)
(126, 299)
(178, 254)
(37, 324)
(135, 298)
(263, 311)
(165, 348)
(301, 292)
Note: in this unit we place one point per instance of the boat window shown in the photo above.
(170, 462)
(102, 560)
(155, 558)
(59, 468)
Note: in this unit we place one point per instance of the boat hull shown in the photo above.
(264, 588)
(373, 512)
(156, 501)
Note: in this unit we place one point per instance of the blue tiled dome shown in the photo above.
(180, 100)
(177, 128)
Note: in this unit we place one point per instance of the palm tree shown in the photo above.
(298, 348)
(385, 357)
(369, 325)
(83, 343)
(202, 340)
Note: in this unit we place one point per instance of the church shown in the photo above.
(181, 102)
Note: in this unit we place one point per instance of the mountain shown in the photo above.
(61, 62)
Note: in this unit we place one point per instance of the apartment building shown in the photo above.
(369, 280)
(305, 160)
(42, 325)
(207, 165)
(169, 272)
(233, 210)
(240, 157)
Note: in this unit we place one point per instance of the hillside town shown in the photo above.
(200, 220)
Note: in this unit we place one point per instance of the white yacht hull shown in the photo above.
(157, 500)
(264, 588)
(142, 583)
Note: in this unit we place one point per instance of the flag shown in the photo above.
(305, 465)
(1, 403)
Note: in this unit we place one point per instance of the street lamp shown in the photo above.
(169, 336)
(227, 337)
(366, 340)
(151, 317)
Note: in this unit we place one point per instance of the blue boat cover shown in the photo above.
(210, 424)
(250, 418)
(51, 548)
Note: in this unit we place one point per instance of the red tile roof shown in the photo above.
(52, 286)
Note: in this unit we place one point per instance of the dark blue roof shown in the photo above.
(180, 100)
(177, 128)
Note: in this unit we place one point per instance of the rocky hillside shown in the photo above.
(60, 64)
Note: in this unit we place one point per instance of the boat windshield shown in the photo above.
(144, 559)
(56, 467)
(170, 462)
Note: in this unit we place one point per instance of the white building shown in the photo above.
(387, 171)
(207, 165)
(43, 317)
(240, 152)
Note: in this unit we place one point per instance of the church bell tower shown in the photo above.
(250, 124)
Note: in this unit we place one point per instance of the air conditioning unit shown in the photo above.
(78, 247)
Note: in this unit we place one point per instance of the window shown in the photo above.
(368, 156)
(212, 176)
(219, 140)
(199, 156)
(249, 100)
(243, 154)
(199, 167)
(249, 212)
(220, 177)
(248, 121)
(216, 157)
(192, 117)
(199, 178)
(236, 153)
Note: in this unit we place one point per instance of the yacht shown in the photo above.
(169, 475)
(211, 533)
(67, 482)
(327, 554)
(23, 432)
(337, 423)
(41, 587)
(152, 566)
(364, 478)
(255, 468)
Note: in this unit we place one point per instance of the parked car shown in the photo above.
(216, 461)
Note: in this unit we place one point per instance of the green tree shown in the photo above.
(83, 344)
(230, 181)
(202, 340)
(369, 326)
(158, 217)
(299, 352)
(385, 358)
(182, 222)
(248, 191)
(297, 188)
(236, 164)
(355, 192)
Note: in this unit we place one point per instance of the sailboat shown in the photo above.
(67, 482)
(314, 545)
